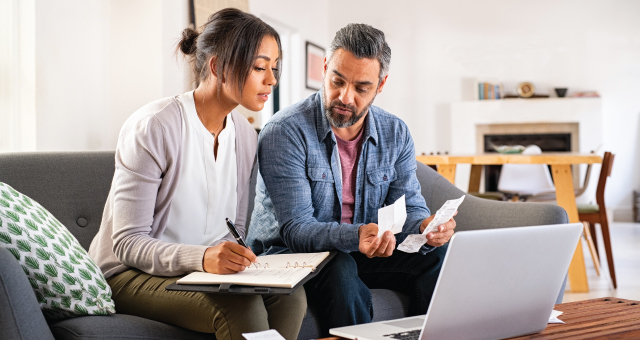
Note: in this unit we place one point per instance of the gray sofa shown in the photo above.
(73, 186)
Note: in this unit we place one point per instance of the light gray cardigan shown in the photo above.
(147, 170)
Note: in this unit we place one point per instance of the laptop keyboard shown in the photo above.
(410, 335)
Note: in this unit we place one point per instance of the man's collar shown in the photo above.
(323, 127)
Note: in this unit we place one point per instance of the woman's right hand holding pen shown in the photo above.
(227, 258)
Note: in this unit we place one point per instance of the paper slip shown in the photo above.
(392, 217)
(271, 334)
(414, 242)
(444, 214)
(554, 317)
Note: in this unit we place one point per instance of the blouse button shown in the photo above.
(324, 176)
(385, 177)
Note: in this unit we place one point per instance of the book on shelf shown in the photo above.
(489, 91)
(279, 271)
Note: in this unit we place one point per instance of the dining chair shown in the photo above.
(597, 213)
(526, 180)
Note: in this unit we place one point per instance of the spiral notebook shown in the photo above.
(277, 271)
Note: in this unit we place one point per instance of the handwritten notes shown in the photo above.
(414, 242)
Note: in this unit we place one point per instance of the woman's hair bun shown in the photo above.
(188, 43)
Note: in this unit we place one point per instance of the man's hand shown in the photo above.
(373, 246)
(443, 233)
(227, 258)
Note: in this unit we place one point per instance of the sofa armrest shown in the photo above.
(20, 314)
(478, 213)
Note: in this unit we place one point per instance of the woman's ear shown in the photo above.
(213, 66)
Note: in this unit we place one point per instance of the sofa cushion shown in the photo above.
(65, 280)
(120, 326)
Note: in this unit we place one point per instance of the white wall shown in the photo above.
(99, 61)
(437, 46)
(306, 21)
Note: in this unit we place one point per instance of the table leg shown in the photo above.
(566, 199)
(474, 178)
(448, 171)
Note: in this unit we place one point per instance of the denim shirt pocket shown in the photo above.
(379, 180)
(322, 185)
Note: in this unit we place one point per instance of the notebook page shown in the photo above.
(277, 277)
(290, 260)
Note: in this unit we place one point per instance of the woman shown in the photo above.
(183, 166)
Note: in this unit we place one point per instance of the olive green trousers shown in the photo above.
(228, 316)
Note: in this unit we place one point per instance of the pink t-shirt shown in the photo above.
(349, 154)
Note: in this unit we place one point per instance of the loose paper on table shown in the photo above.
(271, 334)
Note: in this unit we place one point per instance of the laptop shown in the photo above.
(494, 284)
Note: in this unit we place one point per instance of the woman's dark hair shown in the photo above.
(232, 36)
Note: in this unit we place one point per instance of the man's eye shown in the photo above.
(337, 82)
(361, 90)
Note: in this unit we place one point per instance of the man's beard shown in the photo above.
(338, 120)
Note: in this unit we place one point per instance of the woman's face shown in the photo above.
(257, 87)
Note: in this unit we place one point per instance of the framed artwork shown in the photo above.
(314, 65)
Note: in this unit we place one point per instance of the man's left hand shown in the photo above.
(443, 233)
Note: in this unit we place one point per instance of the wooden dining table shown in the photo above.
(560, 163)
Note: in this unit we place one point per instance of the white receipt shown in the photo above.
(392, 217)
(444, 214)
(271, 334)
(554, 317)
(414, 242)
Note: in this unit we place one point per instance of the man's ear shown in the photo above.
(324, 69)
(382, 82)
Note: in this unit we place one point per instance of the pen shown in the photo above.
(234, 232)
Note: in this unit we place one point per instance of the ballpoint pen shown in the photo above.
(234, 232)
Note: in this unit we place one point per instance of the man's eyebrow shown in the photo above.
(357, 83)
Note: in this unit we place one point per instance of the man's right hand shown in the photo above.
(227, 258)
(373, 246)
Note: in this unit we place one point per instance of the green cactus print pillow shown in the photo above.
(66, 281)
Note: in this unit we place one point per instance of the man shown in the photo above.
(327, 164)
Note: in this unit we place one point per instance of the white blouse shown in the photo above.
(206, 193)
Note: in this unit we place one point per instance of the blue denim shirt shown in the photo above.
(298, 204)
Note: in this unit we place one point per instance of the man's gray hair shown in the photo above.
(363, 41)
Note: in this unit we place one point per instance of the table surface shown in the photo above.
(603, 318)
(498, 158)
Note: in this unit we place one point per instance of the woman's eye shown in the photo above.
(259, 68)
(274, 69)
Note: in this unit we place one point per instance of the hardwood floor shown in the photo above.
(625, 240)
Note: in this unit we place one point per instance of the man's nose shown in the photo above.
(346, 95)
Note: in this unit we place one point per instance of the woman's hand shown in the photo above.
(227, 258)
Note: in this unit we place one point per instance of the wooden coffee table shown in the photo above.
(603, 318)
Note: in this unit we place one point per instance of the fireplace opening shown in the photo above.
(548, 142)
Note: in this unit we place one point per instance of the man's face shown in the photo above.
(350, 86)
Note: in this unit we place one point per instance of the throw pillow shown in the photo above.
(64, 278)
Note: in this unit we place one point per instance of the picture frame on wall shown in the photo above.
(314, 57)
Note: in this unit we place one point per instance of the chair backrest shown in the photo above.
(526, 179)
(605, 172)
